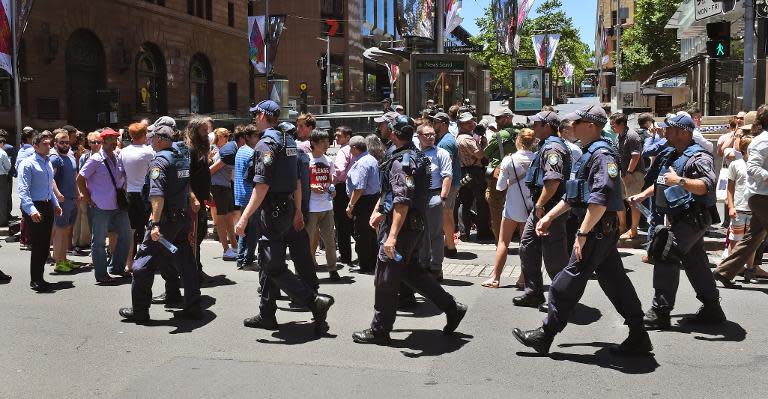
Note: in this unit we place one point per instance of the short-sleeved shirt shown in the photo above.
(552, 163)
(601, 184)
(737, 171)
(158, 179)
(64, 175)
(448, 143)
(103, 192)
(227, 154)
(321, 171)
(440, 165)
(243, 186)
(364, 175)
(468, 147)
(699, 166)
(576, 153)
(630, 144)
(492, 150)
(199, 175)
(401, 192)
(136, 159)
(265, 172)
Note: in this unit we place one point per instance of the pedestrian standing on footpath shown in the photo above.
(39, 205)
(136, 159)
(169, 221)
(6, 182)
(545, 179)
(28, 135)
(447, 141)
(494, 196)
(405, 186)
(65, 189)
(196, 134)
(246, 244)
(222, 172)
(363, 189)
(684, 192)
(100, 181)
(472, 191)
(596, 189)
(342, 164)
(277, 196)
(632, 168)
(320, 220)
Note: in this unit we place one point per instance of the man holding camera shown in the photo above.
(473, 183)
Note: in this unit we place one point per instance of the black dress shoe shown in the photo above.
(320, 307)
(406, 302)
(528, 300)
(638, 343)
(709, 313)
(438, 275)
(4, 278)
(454, 318)
(261, 322)
(371, 336)
(171, 301)
(537, 339)
(334, 276)
(544, 307)
(193, 313)
(657, 319)
(40, 286)
(725, 281)
(450, 253)
(129, 315)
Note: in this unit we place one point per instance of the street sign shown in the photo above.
(707, 8)
(463, 49)
(332, 27)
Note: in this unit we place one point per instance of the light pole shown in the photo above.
(327, 41)
(749, 71)
(617, 61)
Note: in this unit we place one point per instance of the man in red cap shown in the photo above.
(101, 182)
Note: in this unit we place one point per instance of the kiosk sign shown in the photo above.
(528, 89)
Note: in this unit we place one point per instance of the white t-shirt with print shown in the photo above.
(321, 172)
(737, 171)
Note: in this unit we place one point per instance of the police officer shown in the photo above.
(595, 188)
(405, 185)
(169, 196)
(684, 192)
(546, 180)
(277, 196)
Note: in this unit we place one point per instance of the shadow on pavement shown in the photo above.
(464, 256)
(584, 315)
(60, 285)
(430, 343)
(424, 308)
(603, 358)
(218, 281)
(727, 332)
(456, 283)
(182, 325)
(343, 280)
(295, 333)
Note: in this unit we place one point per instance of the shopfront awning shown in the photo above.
(673, 70)
(386, 56)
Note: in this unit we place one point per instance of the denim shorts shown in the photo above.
(68, 213)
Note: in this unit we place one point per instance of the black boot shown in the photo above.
(709, 313)
(538, 339)
(544, 307)
(528, 300)
(259, 321)
(638, 343)
(319, 308)
(371, 336)
(656, 319)
(454, 318)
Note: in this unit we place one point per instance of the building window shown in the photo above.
(191, 7)
(150, 80)
(232, 97)
(209, 10)
(200, 85)
(332, 8)
(250, 9)
(200, 8)
(231, 14)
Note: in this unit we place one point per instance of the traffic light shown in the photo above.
(728, 5)
(719, 44)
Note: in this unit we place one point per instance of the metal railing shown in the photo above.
(320, 109)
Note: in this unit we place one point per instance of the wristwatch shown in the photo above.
(152, 224)
(580, 234)
(681, 183)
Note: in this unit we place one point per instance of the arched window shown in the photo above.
(150, 80)
(200, 85)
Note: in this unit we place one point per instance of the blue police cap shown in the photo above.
(268, 107)
(680, 121)
(591, 113)
(287, 127)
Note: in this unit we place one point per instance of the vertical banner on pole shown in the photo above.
(6, 37)
(257, 40)
(415, 18)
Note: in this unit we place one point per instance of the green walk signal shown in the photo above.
(720, 50)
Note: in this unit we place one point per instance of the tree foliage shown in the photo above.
(646, 46)
(550, 19)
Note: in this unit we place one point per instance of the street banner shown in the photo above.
(416, 18)
(452, 15)
(523, 10)
(504, 25)
(23, 7)
(544, 47)
(257, 39)
(392, 71)
(6, 39)
(568, 70)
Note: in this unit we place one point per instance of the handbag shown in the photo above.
(122, 196)
(721, 191)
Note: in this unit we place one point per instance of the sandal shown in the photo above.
(491, 283)
(628, 236)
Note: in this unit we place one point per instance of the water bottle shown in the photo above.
(168, 245)
(331, 190)
(645, 211)
(398, 257)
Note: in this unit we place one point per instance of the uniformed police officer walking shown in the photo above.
(595, 188)
(546, 178)
(405, 186)
(685, 193)
(169, 196)
(277, 196)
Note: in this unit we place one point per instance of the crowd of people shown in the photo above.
(568, 186)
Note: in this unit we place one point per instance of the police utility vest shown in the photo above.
(578, 187)
(176, 177)
(674, 200)
(534, 178)
(420, 178)
(285, 161)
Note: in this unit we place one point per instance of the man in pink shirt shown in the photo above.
(342, 164)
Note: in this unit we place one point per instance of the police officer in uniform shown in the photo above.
(169, 196)
(546, 180)
(684, 192)
(405, 184)
(595, 189)
(277, 196)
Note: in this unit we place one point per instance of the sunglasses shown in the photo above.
(94, 142)
(429, 136)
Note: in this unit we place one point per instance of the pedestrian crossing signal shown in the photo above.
(719, 48)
